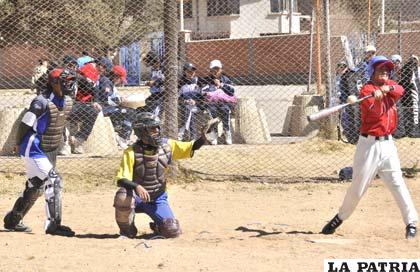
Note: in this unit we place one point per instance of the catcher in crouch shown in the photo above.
(141, 176)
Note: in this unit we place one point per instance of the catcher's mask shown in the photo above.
(62, 81)
(144, 124)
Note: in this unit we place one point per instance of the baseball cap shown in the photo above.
(370, 48)
(121, 72)
(379, 61)
(189, 66)
(215, 63)
(89, 71)
(395, 58)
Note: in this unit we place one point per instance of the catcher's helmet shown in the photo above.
(62, 80)
(142, 126)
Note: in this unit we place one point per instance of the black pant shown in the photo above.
(83, 116)
(122, 120)
(223, 111)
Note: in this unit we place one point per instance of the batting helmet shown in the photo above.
(143, 125)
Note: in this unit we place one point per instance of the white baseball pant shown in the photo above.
(378, 157)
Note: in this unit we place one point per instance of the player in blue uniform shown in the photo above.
(38, 137)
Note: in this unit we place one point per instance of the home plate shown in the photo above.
(333, 241)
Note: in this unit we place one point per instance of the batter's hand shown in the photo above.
(142, 193)
(386, 88)
(378, 94)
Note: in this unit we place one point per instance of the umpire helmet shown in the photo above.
(143, 125)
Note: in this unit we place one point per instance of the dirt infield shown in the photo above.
(227, 227)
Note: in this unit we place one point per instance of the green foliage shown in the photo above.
(78, 24)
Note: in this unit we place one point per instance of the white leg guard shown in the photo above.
(53, 187)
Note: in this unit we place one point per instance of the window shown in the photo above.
(188, 9)
(282, 5)
(222, 7)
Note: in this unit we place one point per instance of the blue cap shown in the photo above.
(379, 60)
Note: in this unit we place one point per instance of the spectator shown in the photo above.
(85, 58)
(121, 117)
(396, 73)
(111, 53)
(190, 96)
(396, 76)
(220, 96)
(39, 77)
(85, 110)
(155, 101)
(410, 100)
(105, 87)
(350, 116)
(70, 62)
(361, 67)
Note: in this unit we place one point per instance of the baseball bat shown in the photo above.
(328, 111)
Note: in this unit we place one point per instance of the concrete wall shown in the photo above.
(282, 59)
(254, 19)
(264, 60)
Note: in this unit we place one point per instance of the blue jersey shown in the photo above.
(37, 117)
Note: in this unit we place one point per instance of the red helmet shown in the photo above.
(62, 81)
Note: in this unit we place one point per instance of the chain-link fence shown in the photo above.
(277, 68)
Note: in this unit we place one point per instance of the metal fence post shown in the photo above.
(170, 25)
(331, 120)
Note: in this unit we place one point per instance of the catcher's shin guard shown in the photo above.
(53, 188)
(33, 189)
(124, 213)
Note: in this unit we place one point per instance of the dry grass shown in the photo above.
(311, 160)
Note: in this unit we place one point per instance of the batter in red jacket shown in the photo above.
(376, 153)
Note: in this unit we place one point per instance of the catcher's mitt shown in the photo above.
(208, 128)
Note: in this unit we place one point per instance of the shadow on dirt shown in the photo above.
(262, 233)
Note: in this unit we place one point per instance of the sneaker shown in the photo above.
(228, 137)
(65, 150)
(332, 225)
(61, 230)
(78, 146)
(410, 231)
(122, 143)
(181, 133)
(212, 136)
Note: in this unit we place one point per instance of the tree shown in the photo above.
(60, 25)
